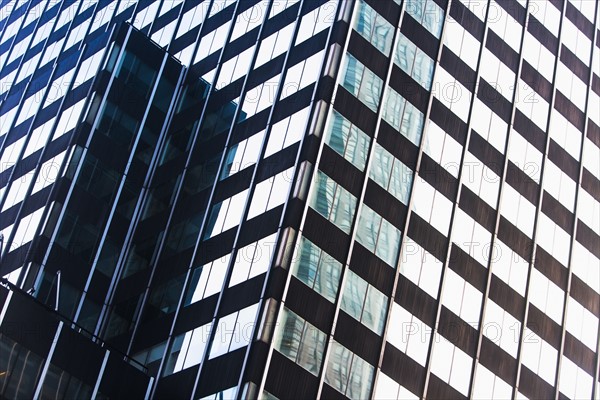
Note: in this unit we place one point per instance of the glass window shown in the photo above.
(316, 21)
(30, 106)
(260, 97)
(539, 356)
(18, 190)
(487, 386)
(421, 267)
(546, 295)
(414, 61)
(207, 280)
(48, 173)
(212, 41)
(317, 269)
(347, 140)
(281, 5)
(403, 116)
(253, 260)
(287, 132)
(78, 33)
(26, 229)
(409, 334)
(333, 202)
(427, 13)
(242, 155)
(364, 303)
(6, 120)
(103, 16)
(169, 5)
(152, 357)
(220, 5)
(507, 265)
(235, 68)
(192, 18)
(501, 328)
(462, 298)
(234, 331)
(432, 205)
(274, 45)
(391, 174)
(378, 235)
(302, 74)
(452, 93)
(451, 364)
(146, 16)
(226, 214)
(165, 296)
(300, 341)
(462, 42)
(584, 264)
(518, 210)
(187, 349)
(348, 373)
(471, 236)
(271, 193)
(22, 369)
(249, 19)
(574, 382)
(374, 28)
(88, 68)
(362, 83)
(68, 119)
(553, 239)
(12, 152)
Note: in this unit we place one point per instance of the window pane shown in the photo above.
(354, 295)
(347, 140)
(374, 28)
(317, 269)
(333, 202)
(300, 341)
(362, 83)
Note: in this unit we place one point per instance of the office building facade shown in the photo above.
(299, 199)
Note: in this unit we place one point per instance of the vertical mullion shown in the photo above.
(575, 220)
(411, 199)
(499, 202)
(360, 199)
(539, 205)
(456, 201)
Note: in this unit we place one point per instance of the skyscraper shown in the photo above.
(299, 199)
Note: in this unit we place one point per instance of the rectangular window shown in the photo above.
(347, 140)
(207, 280)
(428, 14)
(348, 373)
(317, 269)
(362, 82)
(287, 132)
(300, 341)
(378, 235)
(187, 349)
(414, 61)
(234, 331)
(271, 193)
(333, 202)
(374, 28)
(403, 116)
(364, 303)
(226, 214)
(242, 155)
(253, 260)
(391, 174)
